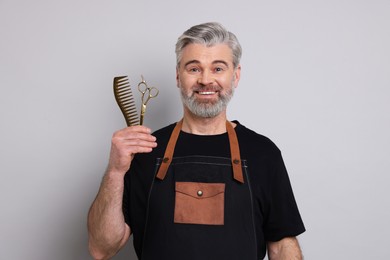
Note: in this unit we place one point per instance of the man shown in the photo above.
(211, 188)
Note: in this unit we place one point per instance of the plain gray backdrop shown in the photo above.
(315, 79)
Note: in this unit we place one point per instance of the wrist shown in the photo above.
(115, 167)
(114, 173)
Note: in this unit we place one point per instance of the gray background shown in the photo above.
(315, 79)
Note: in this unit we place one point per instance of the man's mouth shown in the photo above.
(206, 92)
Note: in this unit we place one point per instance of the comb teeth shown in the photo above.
(125, 100)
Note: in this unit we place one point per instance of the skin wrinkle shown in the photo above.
(198, 62)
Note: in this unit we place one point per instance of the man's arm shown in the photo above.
(107, 229)
(285, 249)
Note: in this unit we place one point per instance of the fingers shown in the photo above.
(136, 138)
(127, 142)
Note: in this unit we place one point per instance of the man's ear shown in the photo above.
(177, 76)
(237, 75)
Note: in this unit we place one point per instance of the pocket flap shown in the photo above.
(200, 190)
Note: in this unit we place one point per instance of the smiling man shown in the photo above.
(207, 78)
(201, 188)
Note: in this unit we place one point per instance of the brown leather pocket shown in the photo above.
(199, 203)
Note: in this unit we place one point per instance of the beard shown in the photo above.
(207, 108)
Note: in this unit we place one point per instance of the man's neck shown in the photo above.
(204, 126)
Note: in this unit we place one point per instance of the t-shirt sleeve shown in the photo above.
(126, 199)
(136, 189)
(283, 218)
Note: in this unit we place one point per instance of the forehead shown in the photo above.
(207, 54)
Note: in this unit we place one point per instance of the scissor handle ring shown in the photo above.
(142, 87)
(153, 92)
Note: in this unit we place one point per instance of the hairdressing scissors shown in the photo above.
(151, 92)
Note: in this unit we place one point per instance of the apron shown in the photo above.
(200, 207)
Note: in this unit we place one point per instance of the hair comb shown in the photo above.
(125, 100)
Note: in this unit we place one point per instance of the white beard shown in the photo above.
(208, 109)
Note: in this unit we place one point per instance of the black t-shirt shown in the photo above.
(275, 210)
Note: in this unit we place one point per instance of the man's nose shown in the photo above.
(206, 78)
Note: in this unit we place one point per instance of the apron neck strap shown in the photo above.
(168, 155)
(234, 152)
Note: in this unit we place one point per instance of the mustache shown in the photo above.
(200, 88)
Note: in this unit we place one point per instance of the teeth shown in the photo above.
(207, 93)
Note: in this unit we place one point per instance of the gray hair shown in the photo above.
(209, 34)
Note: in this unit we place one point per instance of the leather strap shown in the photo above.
(234, 151)
(168, 155)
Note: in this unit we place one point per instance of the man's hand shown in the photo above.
(126, 143)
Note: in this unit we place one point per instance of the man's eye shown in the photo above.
(219, 69)
(194, 69)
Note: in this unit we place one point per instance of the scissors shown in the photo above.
(150, 93)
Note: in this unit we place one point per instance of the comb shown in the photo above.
(125, 100)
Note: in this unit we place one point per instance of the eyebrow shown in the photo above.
(214, 62)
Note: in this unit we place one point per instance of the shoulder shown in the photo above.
(165, 131)
(162, 135)
(145, 162)
(252, 140)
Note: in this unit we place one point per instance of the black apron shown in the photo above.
(200, 207)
